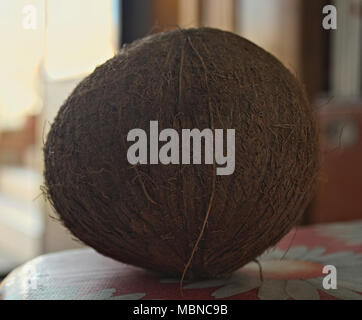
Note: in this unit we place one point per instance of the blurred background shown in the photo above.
(48, 46)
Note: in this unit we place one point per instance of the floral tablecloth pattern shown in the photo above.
(291, 270)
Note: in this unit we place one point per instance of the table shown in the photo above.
(291, 270)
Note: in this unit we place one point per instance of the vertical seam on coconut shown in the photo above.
(180, 124)
(214, 169)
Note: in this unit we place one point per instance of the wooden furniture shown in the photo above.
(340, 184)
(15, 143)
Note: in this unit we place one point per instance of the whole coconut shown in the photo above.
(184, 219)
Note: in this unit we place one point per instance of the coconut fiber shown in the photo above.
(184, 220)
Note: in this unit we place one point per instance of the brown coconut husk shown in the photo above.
(184, 220)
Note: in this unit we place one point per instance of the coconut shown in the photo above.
(184, 219)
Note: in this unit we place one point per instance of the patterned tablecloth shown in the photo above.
(291, 270)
